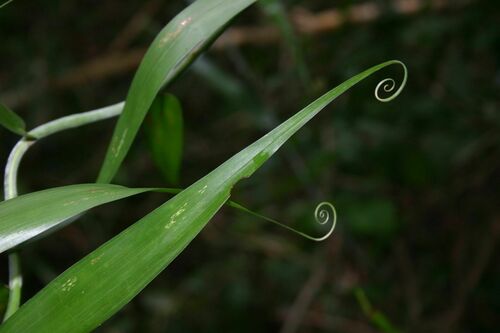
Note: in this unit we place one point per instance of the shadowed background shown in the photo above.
(415, 182)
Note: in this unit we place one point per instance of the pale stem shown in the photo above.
(10, 180)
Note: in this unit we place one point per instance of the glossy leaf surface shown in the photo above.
(100, 284)
(175, 47)
(33, 214)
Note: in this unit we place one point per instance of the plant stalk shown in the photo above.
(10, 180)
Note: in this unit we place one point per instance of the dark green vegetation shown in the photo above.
(413, 181)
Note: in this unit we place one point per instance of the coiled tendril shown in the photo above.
(389, 84)
(322, 216)
(324, 213)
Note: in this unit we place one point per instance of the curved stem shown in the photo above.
(15, 285)
(76, 120)
(10, 179)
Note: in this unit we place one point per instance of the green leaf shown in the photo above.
(100, 284)
(175, 47)
(165, 134)
(33, 214)
(37, 214)
(11, 120)
(377, 317)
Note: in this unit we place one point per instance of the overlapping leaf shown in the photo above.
(175, 47)
(165, 133)
(33, 214)
(97, 286)
(11, 121)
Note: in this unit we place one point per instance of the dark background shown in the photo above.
(416, 182)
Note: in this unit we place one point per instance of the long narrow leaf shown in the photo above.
(21, 223)
(165, 133)
(37, 214)
(176, 46)
(33, 214)
(100, 284)
(11, 121)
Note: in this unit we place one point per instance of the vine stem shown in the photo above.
(10, 180)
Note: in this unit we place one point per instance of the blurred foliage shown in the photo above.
(164, 130)
(378, 319)
(415, 182)
(11, 121)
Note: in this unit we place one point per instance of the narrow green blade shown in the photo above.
(173, 49)
(37, 214)
(165, 133)
(5, 3)
(33, 214)
(11, 121)
(100, 284)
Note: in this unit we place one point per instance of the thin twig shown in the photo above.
(303, 301)
(135, 26)
(410, 282)
(447, 321)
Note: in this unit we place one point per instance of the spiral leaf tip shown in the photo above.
(388, 85)
(323, 213)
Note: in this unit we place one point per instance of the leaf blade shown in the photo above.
(165, 134)
(113, 274)
(174, 48)
(11, 121)
(30, 215)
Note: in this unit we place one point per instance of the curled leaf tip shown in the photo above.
(324, 213)
(388, 85)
